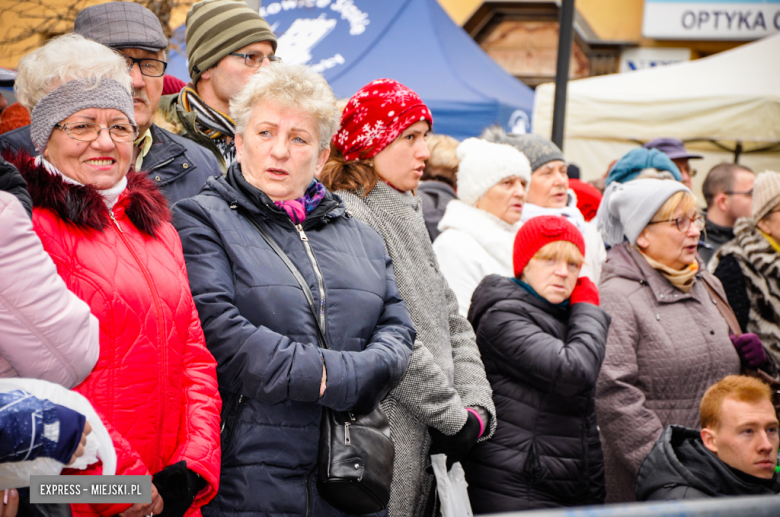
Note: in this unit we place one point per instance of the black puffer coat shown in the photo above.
(259, 327)
(680, 467)
(542, 362)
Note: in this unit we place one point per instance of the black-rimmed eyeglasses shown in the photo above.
(89, 131)
(748, 193)
(684, 223)
(148, 67)
(253, 60)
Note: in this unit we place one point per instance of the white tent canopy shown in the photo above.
(713, 104)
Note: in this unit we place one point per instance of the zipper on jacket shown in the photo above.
(160, 322)
(317, 272)
(308, 491)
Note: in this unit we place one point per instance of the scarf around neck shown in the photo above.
(299, 208)
(682, 279)
(216, 125)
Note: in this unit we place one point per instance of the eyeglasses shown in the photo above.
(749, 193)
(253, 60)
(89, 132)
(148, 67)
(684, 223)
(692, 172)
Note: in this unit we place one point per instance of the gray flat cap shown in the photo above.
(121, 25)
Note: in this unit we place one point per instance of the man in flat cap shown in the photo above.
(177, 165)
(227, 42)
(676, 151)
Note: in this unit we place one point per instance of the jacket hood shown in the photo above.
(495, 236)
(331, 206)
(679, 458)
(83, 206)
(496, 288)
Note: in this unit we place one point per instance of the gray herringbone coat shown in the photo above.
(446, 373)
(664, 349)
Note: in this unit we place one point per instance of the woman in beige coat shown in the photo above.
(668, 342)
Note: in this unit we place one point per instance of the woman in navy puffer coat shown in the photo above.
(273, 377)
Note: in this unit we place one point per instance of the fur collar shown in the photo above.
(83, 206)
(752, 248)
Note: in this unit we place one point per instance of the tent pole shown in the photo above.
(737, 152)
(565, 29)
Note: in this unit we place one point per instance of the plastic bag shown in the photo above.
(451, 487)
(99, 445)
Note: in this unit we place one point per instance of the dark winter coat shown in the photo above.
(680, 467)
(542, 362)
(749, 269)
(713, 237)
(260, 329)
(11, 181)
(177, 165)
(435, 196)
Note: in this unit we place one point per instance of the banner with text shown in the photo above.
(711, 19)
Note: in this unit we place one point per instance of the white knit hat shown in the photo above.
(483, 164)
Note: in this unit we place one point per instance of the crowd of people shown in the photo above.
(230, 272)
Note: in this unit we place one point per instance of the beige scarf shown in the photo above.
(682, 279)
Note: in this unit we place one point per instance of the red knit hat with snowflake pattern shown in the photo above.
(375, 116)
(537, 232)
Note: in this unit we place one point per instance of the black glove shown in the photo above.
(178, 487)
(457, 446)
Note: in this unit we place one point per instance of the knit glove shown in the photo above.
(457, 446)
(749, 349)
(178, 486)
(585, 291)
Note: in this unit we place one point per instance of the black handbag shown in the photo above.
(355, 457)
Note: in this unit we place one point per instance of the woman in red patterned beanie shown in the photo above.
(444, 403)
(542, 337)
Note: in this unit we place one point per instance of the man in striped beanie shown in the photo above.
(227, 42)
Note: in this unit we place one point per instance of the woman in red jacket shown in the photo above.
(107, 229)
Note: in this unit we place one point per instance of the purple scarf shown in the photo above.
(299, 208)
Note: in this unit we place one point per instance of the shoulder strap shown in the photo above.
(294, 270)
(724, 309)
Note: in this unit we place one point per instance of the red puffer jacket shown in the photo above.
(155, 382)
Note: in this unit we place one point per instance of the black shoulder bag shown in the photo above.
(355, 458)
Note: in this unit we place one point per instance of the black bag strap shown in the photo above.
(294, 270)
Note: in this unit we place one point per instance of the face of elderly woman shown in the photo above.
(504, 199)
(552, 278)
(549, 185)
(670, 242)
(402, 163)
(770, 224)
(279, 151)
(102, 162)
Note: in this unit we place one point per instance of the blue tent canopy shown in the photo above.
(353, 42)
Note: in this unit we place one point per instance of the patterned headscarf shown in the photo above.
(375, 116)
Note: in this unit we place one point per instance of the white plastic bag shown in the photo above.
(451, 487)
(99, 444)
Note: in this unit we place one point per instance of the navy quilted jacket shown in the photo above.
(260, 329)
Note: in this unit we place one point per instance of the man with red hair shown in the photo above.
(734, 454)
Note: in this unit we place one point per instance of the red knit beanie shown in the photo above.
(375, 116)
(537, 232)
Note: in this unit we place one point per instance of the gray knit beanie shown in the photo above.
(766, 194)
(74, 96)
(215, 28)
(626, 208)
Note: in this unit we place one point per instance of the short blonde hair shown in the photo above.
(679, 200)
(560, 250)
(443, 162)
(63, 59)
(290, 86)
(737, 387)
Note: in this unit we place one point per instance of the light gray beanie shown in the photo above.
(484, 164)
(74, 96)
(626, 208)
